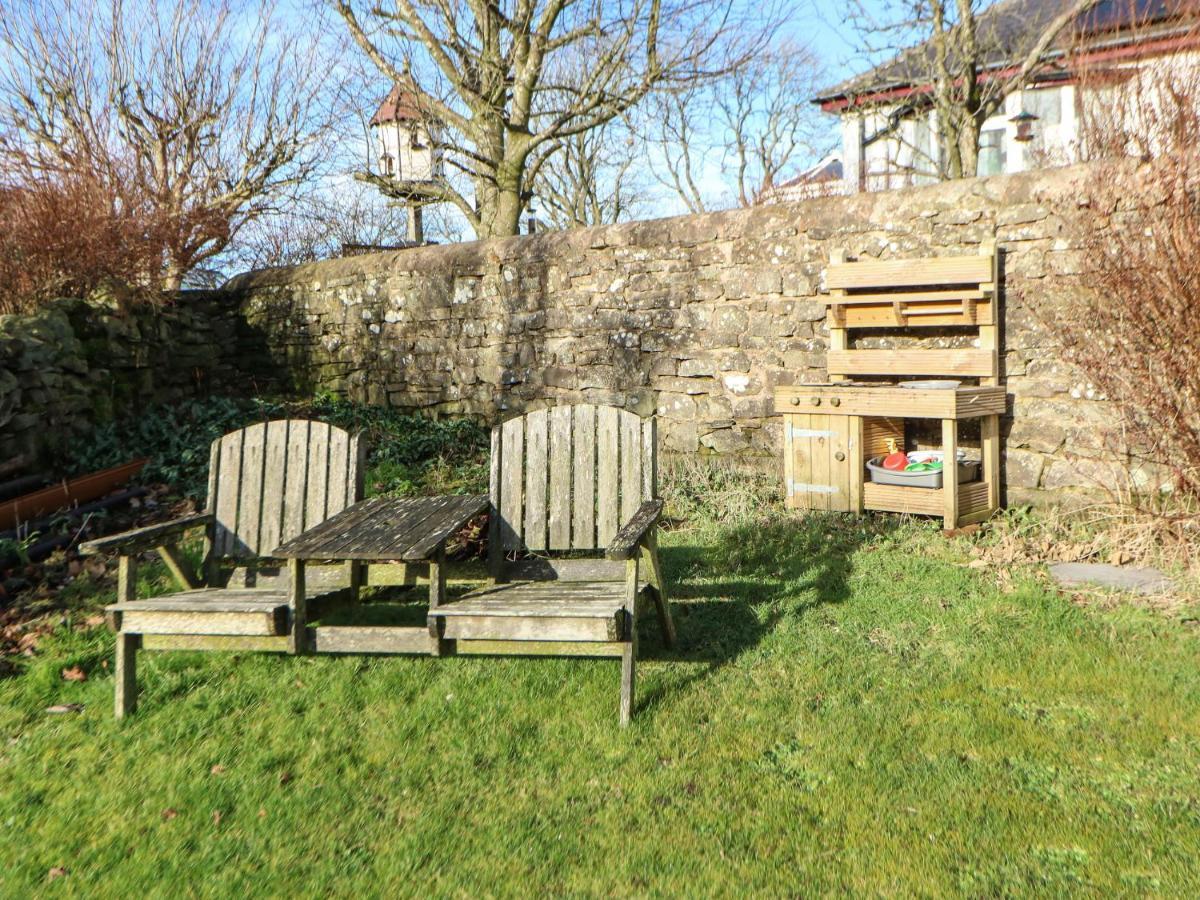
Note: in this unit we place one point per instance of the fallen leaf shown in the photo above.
(169, 814)
(57, 872)
(64, 708)
(285, 777)
(93, 621)
(262, 813)
(74, 674)
(977, 564)
(216, 817)
(218, 769)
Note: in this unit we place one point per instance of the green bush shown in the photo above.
(176, 437)
(406, 453)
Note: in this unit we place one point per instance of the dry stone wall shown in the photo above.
(76, 363)
(696, 318)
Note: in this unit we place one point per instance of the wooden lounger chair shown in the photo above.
(266, 484)
(572, 478)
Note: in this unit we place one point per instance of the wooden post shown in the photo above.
(495, 550)
(178, 566)
(629, 650)
(835, 319)
(125, 699)
(990, 429)
(354, 570)
(299, 605)
(989, 335)
(950, 473)
(661, 604)
(126, 579)
(858, 462)
(437, 596)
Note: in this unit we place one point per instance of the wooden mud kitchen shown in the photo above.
(832, 431)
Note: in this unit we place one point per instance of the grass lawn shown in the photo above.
(852, 709)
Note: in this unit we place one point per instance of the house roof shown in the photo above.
(813, 181)
(400, 105)
(1008, 27)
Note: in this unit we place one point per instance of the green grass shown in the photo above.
(852, 709)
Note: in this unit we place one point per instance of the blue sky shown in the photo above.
(819, 24)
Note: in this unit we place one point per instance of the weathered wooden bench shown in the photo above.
(266, 484)
(573, 479)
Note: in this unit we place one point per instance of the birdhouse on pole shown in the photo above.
(405, 139)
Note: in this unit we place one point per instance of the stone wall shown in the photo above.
(75, 364)
(698, 318)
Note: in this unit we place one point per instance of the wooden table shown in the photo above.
(381, 529)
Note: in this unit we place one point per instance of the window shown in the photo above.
(387, 164)
(924, 164)
(991, 152)
(1045, 103)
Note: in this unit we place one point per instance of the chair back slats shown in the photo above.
(537, 473)
(608, 490)
(317, 456)
(226, 491)
(560, 478)
(295, 490)
(273, 480)
(583, 473)
(570, 477)
(511, 483)
(274, 473)
(631, 467)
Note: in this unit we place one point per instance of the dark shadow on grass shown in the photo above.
(730, 593)
(727, 593)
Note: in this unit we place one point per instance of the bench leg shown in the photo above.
(125, 701)
(628, 679)
(661, 604)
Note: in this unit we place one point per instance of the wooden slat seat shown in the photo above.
(205, 611)
(541, 598)
(541, 611)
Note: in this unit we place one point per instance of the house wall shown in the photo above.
(697, 319)
(909, 155)
(1136, 105)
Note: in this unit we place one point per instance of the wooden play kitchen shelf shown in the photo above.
(831, 430)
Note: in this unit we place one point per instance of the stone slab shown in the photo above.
(1136, 581)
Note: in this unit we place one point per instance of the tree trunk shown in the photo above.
(501, 202)
(968, 141)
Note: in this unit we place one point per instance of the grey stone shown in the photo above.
(1134, 581)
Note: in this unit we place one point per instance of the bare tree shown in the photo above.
(504, 85)
(1130, 325)
(749, 128)
(959, 58)
(211, 108)
(322, 223)
(593, 179)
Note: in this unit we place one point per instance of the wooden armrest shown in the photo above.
(145, 538)
(625, 543)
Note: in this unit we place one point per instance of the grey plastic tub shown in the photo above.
(968, 470)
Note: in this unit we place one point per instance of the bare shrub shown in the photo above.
(64, 232)
(213, 111)
(1134, 328)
